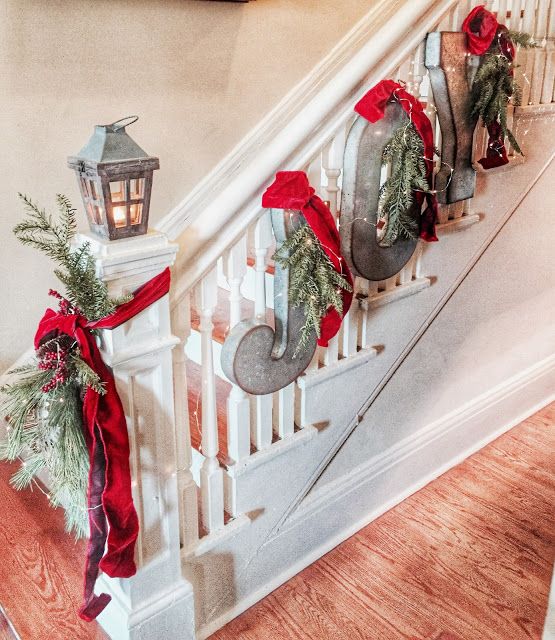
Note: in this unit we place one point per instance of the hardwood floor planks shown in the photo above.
(40, 568)
(469, 557)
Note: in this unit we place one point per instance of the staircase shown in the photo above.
(237, 493)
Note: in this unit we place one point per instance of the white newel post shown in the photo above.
(157, 602)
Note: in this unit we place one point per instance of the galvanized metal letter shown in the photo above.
(256, 357)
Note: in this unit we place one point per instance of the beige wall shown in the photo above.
(200, 73)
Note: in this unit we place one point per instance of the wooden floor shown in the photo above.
(40, 569)
(469, 557)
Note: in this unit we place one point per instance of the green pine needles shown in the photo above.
(313, 280)
(404, 153)
(77, 270)
(43, 405)
(494, 87)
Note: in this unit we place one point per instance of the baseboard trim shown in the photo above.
(531, 388)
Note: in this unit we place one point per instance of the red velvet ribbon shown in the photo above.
(480, 27)
(113, 521)
(291, 190)
(372, 107)
(483, 30)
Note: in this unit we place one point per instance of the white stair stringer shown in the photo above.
(241, 569)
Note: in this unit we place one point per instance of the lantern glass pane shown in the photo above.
(85, 188)
(93, 190)
(117, 191)
(136, 213)
(137, 189)
(98, 214)
(120, 216)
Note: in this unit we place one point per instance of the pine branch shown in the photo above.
(522, 39)
(77, 268)
(313, 281)
(494, 86)
(405, 153)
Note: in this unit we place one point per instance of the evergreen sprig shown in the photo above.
(405, 155)
(494, 86)
(313, 280)
(77, 269)
(43, 405)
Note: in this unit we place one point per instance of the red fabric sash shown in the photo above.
(480, 27)
(291, 190)
(372, 107)
(112, 516)
(483, 30)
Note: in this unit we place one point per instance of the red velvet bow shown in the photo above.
(291, 190)
(112, 516)
(480, 27)
(372, 107)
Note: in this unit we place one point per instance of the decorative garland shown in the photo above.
(44, 405)
(494, 86)
(412, 163)
(64, 410)
(320, 278)
(405, 155)
(313, 280)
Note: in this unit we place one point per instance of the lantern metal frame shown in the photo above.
(110, 157)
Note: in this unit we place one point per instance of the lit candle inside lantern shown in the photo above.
(120, 216)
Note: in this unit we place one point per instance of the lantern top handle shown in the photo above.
(121, 123)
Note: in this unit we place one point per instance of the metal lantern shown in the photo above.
(115, 179)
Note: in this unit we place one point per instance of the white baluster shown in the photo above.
(525, 59)
(261, 421)
(332, 162)
(405, 275)
(284, 411)
(211, 474)
(403, 71)
(371, 291)
(465, 7)
(391, 283)
(416, 72)
(261, 406)
(529, 18)
(453, 17)
(540, 32)
(349, 331)
(417, 260)
(443, 213)
(549, 75)
(186, 486)
(502, 12)
(314, 174)
(238, 406)
(263, 238)
(362, 288)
